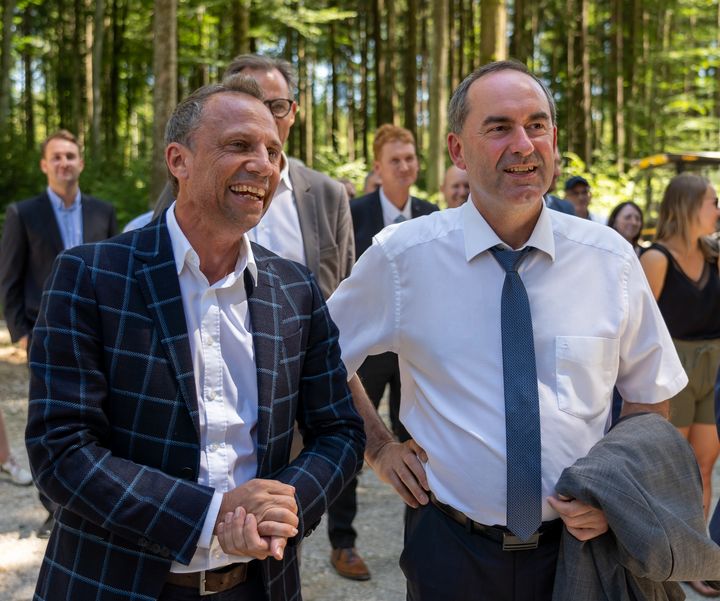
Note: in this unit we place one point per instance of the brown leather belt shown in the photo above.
(548, 530)
(216, 581)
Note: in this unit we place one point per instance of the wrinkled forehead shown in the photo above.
(508, 91)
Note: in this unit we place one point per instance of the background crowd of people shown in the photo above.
(326, 226)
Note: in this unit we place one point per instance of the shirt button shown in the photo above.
(213, 447)
(210, 341)
(211, 395)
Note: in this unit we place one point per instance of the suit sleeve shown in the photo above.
(345, 236)
(68, 430)
(112, 225)
(333, 433)
(13, 264)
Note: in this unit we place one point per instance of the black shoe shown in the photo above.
(46, 527)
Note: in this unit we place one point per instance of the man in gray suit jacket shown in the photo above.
(308, 220)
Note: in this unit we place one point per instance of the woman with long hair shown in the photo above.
(627, 220)
(682, 269)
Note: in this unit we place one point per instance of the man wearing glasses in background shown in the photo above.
(308, 220)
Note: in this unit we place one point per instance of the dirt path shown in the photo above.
(379, 520)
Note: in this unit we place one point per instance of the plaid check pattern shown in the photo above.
(113, 429)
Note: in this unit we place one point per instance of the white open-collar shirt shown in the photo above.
(429, 290)
(223, 358)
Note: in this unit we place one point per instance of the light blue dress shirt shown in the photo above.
(69, 219)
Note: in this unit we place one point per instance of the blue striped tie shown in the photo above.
(522, 410)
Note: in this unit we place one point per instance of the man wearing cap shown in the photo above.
(577, 191)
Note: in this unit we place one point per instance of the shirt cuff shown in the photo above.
(209, 526)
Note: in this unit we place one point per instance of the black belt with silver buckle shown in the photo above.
(209, 582)
(500, 534)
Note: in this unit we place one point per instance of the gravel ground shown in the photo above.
(379, 520)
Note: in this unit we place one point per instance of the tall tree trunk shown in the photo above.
(165, 90)
(521, 41)
(335, 107)
(617, 48)
(241, 26)
(351, 112)
(410, 69)
(571, 96)
(5, 67)
(586, 115)
(424, 76)
(390, 50)
(29, 99)
(364, 87)
(493, 30)
(77, 71)
(97, 55)
(438, 97)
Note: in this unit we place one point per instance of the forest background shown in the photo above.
(631, 78)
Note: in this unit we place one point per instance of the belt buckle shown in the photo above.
(513, 543)
(203, 592)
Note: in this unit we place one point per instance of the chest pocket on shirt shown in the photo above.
(586, 370)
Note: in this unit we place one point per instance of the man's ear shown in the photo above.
(455, 148)
(178, 159)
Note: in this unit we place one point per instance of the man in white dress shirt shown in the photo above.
(430, 290)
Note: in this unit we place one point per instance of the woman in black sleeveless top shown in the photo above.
(682, 269)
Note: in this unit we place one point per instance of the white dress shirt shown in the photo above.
(279, 229)
(69, 219)
(430, 291)
(391, 212)
(223, 357)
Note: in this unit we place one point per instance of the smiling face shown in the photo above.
(62, 164)
(228, 173)
(506, 144)
(397, 165)
(628, 223)
(455, 187)
(708, 213)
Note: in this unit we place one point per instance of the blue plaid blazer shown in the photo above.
(113, 429)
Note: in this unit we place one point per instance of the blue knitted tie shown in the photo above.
(522, 410)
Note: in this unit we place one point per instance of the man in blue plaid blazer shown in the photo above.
(121, 408)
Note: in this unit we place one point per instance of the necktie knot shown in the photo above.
(508, 259)
(400, 218)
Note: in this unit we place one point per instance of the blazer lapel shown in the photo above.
(157, 278)
(307, 215)
(46, 215)
(377, 220)
(264, 317)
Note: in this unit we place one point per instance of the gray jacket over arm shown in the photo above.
(644, 476)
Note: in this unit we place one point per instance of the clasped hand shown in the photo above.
(257, 518)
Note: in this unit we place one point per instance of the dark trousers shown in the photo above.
(376, 372)
(442, 561)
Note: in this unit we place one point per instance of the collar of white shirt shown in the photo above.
(390, 211)
(184, 252)
(285, 174)
(479, 236)
(59, 204)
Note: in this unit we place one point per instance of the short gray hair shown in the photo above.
(458, 108)
(186, 116)
(257, 62)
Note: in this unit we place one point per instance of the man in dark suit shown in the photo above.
(38, 228)
(396, 164)
(167, 370)
(552, 201)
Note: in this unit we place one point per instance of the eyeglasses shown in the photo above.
(279, 107)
